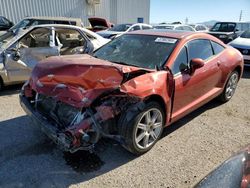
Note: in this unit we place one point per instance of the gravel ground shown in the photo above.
(188, 150)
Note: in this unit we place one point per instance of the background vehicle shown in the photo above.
(120, 29)
(232, 173)
(99, 24)
(20, 53)
(177, 27)
(199, 27)
(5, 24)
(228, 31)
(242, 43)
(135, 86)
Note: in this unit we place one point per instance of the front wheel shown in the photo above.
(144, 129)
(230, 87)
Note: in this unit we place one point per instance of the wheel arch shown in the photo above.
(158, 99)
(239, 70)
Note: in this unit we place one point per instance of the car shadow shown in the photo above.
(29, 158)
(246, 73)
(183, 121)
(11, 90)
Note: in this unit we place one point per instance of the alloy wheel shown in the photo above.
(148, 128)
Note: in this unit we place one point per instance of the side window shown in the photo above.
(181, 62)
(180, 28)
(69, 40)
(135, 28)
(37, 38)
(186, 28)
(200, 49)
(202, 28)
(3, 21)
(217, 48)
(145, 27)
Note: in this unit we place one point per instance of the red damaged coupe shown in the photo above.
(130, 89)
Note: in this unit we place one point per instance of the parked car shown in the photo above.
(242, 43)
(228, 31)
(120, 29)
(177, 27)
(232, 173)
(130, 89)
(99, 24)
(5, 24)
(32, 21)
(20, 53)
(199, 27)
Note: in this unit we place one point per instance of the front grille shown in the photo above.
(60, 113)
(244, 51)
(247, 62)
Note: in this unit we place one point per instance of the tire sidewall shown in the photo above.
(131, 129)
(224, 98)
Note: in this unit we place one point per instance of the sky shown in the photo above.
(198, 10)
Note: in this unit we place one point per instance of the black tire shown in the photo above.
(225, 96)
(129, 122)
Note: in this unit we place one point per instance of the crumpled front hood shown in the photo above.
(78, 79)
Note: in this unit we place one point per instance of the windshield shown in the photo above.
(224, 27)
(6, 38)
(138, 50)
(120, 28)
(246, 34)
(22, 24)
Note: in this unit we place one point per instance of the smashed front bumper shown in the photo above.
(62, 140)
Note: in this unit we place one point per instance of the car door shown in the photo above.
(22, 57)
(193, 90)
(71, 41)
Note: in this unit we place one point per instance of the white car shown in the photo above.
(20, 53)
(199, 27)
(177, 27)
(242, 43)
(120, 29)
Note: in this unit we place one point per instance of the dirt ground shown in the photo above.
(188, 150)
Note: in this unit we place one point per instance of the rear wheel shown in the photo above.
(230, 87)
(144, 129)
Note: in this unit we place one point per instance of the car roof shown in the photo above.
(52, 18)
(176, 34)
(163, 33)
(66, 27)
(55, 25)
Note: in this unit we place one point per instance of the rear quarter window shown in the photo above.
(217, 48)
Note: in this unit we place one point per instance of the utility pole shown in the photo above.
(241, 12)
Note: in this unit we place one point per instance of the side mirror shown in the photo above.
(196, 63)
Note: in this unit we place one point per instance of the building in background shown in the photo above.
(116, 11)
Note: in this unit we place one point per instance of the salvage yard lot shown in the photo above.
(188, 150)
